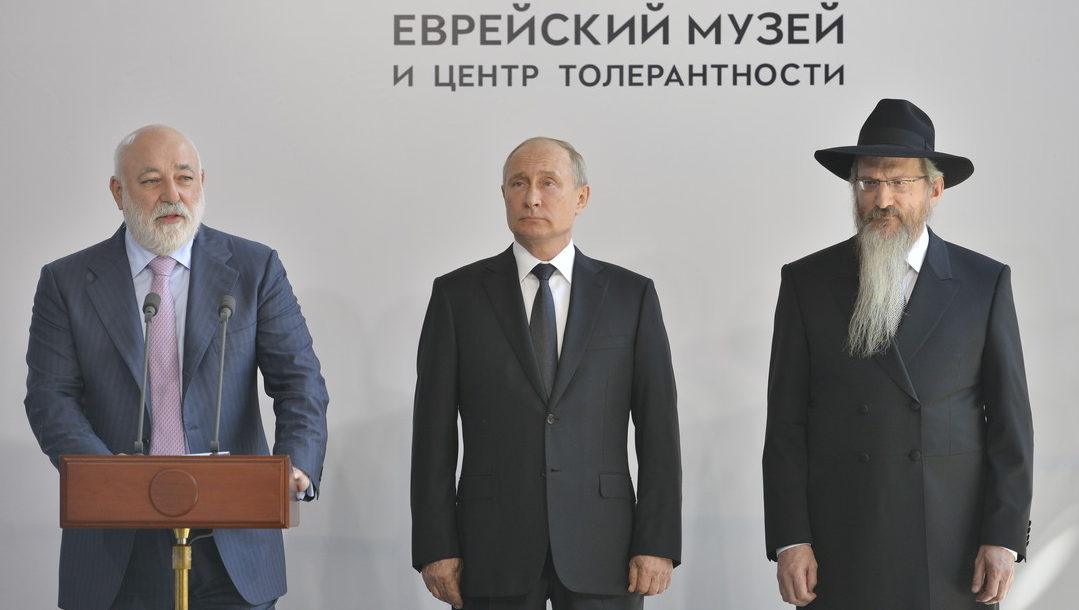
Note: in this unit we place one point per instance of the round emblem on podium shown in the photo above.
(174, 492)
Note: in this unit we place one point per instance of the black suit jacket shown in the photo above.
(896, 468)
(539, 470)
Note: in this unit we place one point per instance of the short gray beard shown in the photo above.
(878, 308)
(162, 240)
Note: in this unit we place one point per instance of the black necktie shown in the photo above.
(543, 326)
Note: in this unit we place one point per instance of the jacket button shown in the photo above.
(915, 455)
(864, 409)
(550, 419)
(915, 405)
(864, 458)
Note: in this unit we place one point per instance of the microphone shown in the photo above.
(226, 308)
(150, 305)
(224, 312)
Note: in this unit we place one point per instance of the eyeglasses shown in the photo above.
(898, 185)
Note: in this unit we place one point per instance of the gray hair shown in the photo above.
(930, 169)
(576, 161)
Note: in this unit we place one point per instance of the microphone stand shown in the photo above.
(150, 306)
(224, 312)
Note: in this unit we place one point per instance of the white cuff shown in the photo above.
(789, 546)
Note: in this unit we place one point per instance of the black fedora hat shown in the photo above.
(896, 128)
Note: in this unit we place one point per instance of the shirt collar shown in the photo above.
(138, 257)
(916, 256)
(563, 261)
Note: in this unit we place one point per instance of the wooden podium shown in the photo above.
(177, 493)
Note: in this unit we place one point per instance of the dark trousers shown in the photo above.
(550, 587)
(149, 581)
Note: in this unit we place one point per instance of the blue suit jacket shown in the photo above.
(85, 368)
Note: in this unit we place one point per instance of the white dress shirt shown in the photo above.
(915, 258)
(560, 282)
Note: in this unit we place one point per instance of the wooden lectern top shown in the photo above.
(165, 492)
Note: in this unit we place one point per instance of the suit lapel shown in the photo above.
(211, 278)
(585, 302)
(112, 293)
(892, 363)
(932, 295)
(504, 290)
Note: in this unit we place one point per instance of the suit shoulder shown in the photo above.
(77, 261)
(972, 260)
(238, 245)
(78, 257)
(473, 271)
(826, 259)
(619, 273)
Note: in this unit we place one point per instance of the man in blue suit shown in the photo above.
(85, 368)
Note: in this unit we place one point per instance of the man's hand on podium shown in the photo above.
(300, 481)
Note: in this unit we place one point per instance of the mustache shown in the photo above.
(170, 209)
(879, 213)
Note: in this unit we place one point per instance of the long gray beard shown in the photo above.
(879, 306)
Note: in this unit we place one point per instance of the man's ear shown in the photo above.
(117, 191)
(582, 198)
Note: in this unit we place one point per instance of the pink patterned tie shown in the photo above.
(167, 429)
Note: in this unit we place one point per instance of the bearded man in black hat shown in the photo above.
(899, 447)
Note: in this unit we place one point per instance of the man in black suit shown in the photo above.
(899, 447)
(545, 354)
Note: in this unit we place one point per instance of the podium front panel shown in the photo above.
(137, 491)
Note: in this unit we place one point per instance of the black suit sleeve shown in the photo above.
(1009, 429)
(657, 528)
(434, 436)
(786, 509)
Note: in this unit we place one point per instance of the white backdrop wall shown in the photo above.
(370, 190)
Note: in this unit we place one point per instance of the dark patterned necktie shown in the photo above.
(543, 326)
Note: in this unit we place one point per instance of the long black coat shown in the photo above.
(537, 469)
(896, 468)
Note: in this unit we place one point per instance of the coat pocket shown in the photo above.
(615, 485)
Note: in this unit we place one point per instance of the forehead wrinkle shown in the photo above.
(541, 171)
(538, 166)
